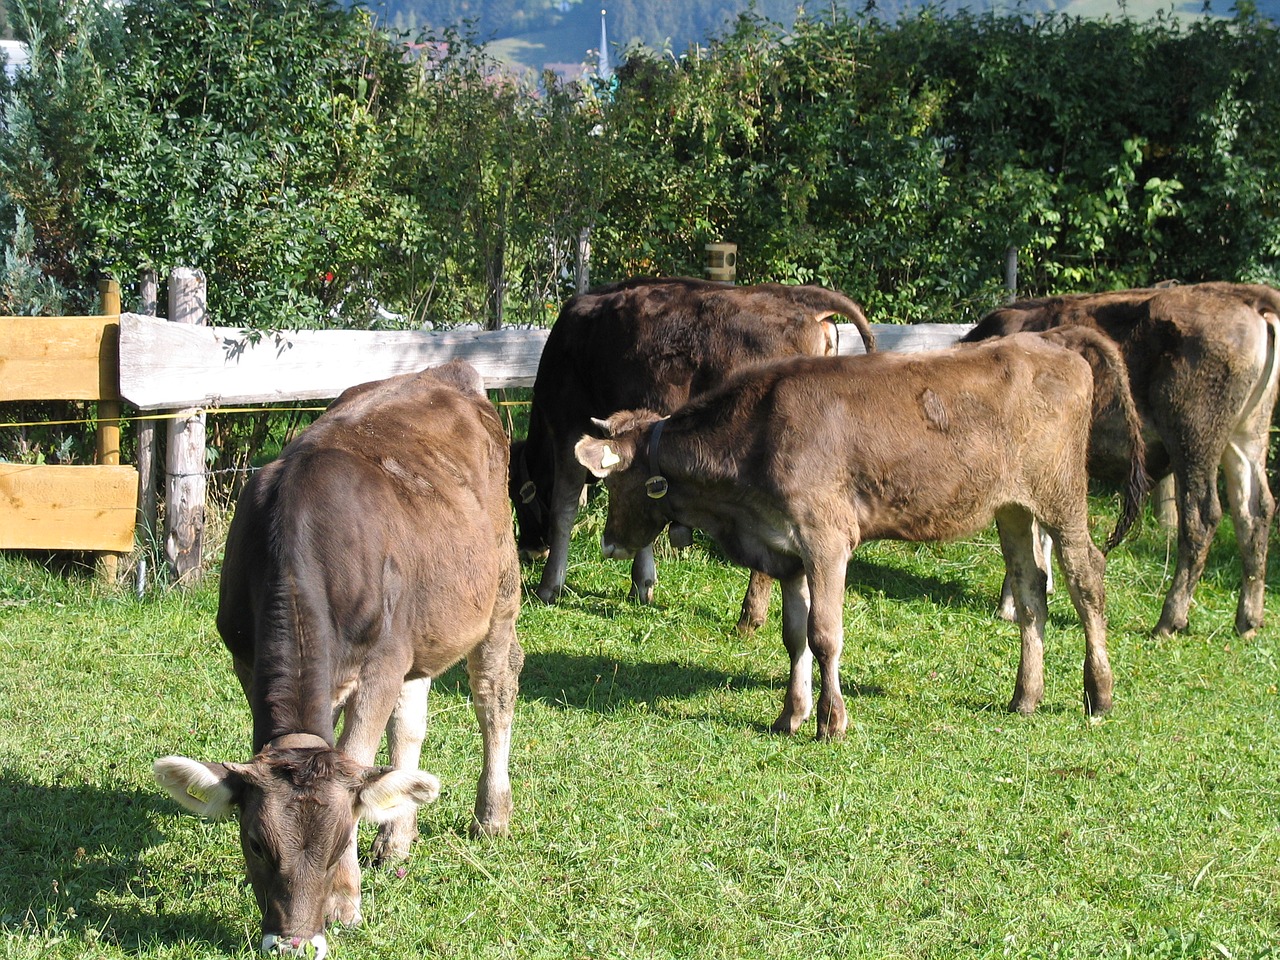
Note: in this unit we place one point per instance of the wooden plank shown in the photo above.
(903, 337)
(167, 365)
(67, 508)
(59, 358)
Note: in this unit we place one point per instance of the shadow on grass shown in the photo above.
(607, 684)
(64, 845)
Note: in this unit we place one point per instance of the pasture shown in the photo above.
(655, 815)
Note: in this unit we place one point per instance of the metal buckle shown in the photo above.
(528, 491)
(656, 487)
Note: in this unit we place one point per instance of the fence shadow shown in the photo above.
(65, 845)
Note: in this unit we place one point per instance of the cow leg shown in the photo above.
(644, 576)
(1043, 544)
(1027, 584)
(566, 494)
(798, 703)
(366, 714)
(1198, 515)
(1252, 509)
(755, 602)
(494, 670)
(406, 730)
(826, 639)
(1082, 567)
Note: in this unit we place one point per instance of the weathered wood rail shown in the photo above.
(168, 365)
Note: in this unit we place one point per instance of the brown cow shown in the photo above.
(1203, 366)
(790, 466)
(376, 552)
(648, 343)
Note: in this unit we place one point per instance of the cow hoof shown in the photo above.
(1023, 706)
(1247, 629)
(343, 911)
(389, 850)
(748, 625)
(1097, 710)
(478, 830)
(642, 593)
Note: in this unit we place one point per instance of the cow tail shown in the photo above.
(1138, 482)
(1265, 386)
(854, 313)
(832, 302)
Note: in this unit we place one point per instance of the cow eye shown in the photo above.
(256, 850)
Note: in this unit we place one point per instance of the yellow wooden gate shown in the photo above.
(44, 507)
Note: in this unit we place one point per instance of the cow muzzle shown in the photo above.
(315, 948)
(531, 554)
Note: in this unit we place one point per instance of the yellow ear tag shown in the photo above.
(609, 458)
(194, 791)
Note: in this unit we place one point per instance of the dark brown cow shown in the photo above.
(648, 343)
(376, 552)
(790, 466)
(1203, 366)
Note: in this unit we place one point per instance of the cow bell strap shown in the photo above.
(298, 741)
(656, 485)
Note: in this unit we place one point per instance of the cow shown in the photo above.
(788, 467)
(1203, 365)
(650, 343)
(373, 554)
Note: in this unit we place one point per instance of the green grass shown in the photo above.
(655, 815)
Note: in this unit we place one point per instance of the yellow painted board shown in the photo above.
(67, 508)
(60, 358)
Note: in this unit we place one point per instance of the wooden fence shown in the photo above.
(187, 368)
(58, 507)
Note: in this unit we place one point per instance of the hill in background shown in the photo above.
(564, 35)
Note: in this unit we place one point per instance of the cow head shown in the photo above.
(622, 459)
(532, 502)
(298, 809)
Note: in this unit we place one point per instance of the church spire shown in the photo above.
(604, 71)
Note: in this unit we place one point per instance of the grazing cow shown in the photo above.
(1203, 367)
(376, 552)
(648, 343)
(790, 466)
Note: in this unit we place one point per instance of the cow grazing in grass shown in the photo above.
(649, 343)
(1203, 365)
(790, 466)
(376, 552)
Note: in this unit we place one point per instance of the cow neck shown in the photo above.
(656, 486)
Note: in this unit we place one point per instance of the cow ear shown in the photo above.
(602, 457)
(208, 789)
(387, 793)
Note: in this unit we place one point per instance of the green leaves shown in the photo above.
(319, 171)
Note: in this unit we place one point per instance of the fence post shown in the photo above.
(185, 446)
(722, 262)
(108, 433)
(148, 295)
(582, 262)
(1011, 271)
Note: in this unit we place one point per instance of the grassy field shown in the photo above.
(655, 815)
